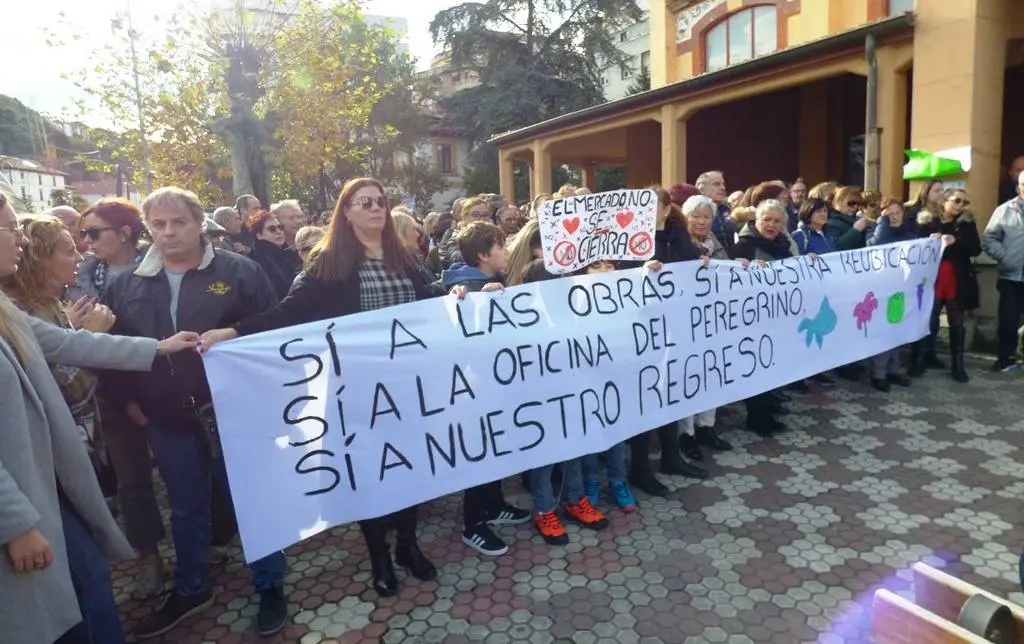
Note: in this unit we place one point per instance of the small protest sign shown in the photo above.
(578, 231)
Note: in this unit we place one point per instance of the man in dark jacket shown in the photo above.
(712, 185)
(482, 246)
(184, 283)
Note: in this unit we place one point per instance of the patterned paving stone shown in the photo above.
(787, 541)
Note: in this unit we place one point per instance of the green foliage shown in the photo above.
(420, 179)
(61, 197)
(610, 177)
(16, 128)
(536, 59)
(641, 82)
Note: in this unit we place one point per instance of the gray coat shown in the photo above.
(38, 439)
(1004, 239)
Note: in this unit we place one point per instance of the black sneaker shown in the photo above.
(483, 540)
(172, 612)
(273, 612)
(1004, 365)
(510, 516)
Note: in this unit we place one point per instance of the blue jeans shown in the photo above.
(614, 460)
(91, 578)
(187, 467)
(540, 485)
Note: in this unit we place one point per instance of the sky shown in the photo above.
(30, 70)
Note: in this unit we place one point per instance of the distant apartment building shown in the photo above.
(31, 182)
(634, 42)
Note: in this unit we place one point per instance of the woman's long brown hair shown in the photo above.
(338, 255)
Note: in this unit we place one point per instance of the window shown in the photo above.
(624, 36)
(444, 159)
(645, 61)
(41, 197)
(900, 6)
(741, 37)
(627, 68)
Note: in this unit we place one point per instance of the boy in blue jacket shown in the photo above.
(482, 246)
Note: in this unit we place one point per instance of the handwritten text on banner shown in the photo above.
(363, 415)
(578, 231)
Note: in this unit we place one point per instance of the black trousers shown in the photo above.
(1011, 307)
(375, 530)
(481, 503)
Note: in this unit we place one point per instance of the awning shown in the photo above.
(813, 50)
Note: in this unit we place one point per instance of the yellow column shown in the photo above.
(958, 91)
(663, 44)
(643, 155)
(506, 176)
(541, 175)
(892, 120)
(673, 147)
(589, 175)
(812, 133)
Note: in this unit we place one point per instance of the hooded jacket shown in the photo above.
(808, 240)
(1004, 239)
(462, 274)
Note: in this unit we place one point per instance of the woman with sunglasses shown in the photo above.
(956, 287)
(360, 266)
(280, 262)
(844, 227)
(113, 229)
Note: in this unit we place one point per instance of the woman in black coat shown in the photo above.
(956, 287)
(671, 244)
(281, 263)
(360, 266)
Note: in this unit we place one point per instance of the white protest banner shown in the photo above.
(357, 417)
(577, 231)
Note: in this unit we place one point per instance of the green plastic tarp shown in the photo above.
(925, 165)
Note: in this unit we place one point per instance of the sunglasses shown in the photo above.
(853, 204)
(366, 202)
(958, 201)
(273, 228)
(94, 232)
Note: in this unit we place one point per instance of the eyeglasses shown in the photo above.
(94, 232)
(853, 204)
(12, 229)
(366, 202)
(960, 201)
(273, 228)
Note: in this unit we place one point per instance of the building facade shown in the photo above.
(634, 42)
(31, 182)
(775, 89)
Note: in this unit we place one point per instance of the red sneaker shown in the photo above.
(550, 528)
(586, 515)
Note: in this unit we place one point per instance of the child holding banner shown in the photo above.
(482, 246)
(615, 457)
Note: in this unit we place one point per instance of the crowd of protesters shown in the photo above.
(90, 300)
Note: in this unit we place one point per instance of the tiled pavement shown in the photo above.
(786, 543)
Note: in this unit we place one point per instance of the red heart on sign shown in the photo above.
(572, 225)
(624, 219)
